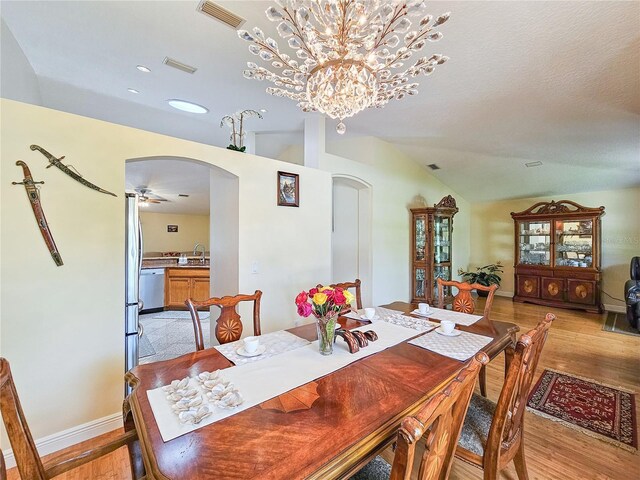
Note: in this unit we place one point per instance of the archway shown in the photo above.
(223, 229)
(351, 251)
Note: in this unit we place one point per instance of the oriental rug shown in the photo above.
(598, 410)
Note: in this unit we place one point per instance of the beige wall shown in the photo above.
(397, 184)
(192, 229)
(62, 327)
(493, 237)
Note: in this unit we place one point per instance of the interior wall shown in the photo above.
(397, 184)
(345, 236)
(492, 231)
(192, 229)
(62, 327)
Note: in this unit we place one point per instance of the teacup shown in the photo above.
(423, 308)
(251, 344)
(447, 326)
(369, 313)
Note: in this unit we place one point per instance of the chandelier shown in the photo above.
(349, 55)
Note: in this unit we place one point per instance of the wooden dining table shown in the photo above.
(328, 428)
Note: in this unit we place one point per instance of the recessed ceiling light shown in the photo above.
(187, 106)
(144, 69)
(132, 90)
(263, 110)
(533, 164)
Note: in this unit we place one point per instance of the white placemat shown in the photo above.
(462, 347)
(275, 343)
(441, 314)
(261, 381)
(381, 314)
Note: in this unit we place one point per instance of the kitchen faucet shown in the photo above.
(195, 250)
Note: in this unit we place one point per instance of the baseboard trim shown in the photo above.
(615, 308)
(502, 293)
(71, 436)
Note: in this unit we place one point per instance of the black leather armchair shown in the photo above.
(632, 293)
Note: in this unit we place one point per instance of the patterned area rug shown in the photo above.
(601, 411)
(617, 323)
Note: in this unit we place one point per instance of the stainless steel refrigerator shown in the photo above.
(133, 265)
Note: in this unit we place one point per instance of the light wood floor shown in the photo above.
(576, 345)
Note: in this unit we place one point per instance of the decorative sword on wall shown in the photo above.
(56, 162)
(34, 198)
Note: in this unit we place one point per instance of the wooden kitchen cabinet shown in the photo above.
(557, 252)
(183, 283)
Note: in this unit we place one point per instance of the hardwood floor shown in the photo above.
(577, 345)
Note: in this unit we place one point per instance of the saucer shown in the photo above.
(259, 351)
(455, 333)
(418, 312)
(363, 317)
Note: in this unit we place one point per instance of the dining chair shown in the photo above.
(439, 422)
(30, 465)
(493, 433)
(356, 286)
(229, 324)
(463, 302)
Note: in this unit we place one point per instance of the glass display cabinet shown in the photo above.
(432, 230)
(558, 255)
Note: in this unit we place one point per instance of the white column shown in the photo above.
(250, 142)
(314, 140)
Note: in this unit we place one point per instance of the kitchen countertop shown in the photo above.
(172, 263)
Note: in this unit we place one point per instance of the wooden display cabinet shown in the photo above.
(431, 240)
(557, 255)
(183, 283)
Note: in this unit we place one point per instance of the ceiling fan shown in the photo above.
(146, 196)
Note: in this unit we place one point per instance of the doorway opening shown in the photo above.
(351, 251)
(188, 211)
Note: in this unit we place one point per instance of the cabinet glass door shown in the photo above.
(420, 283)
(535, 243)
(443, 272)
(574, 243)
(441, 239)
(421, 238)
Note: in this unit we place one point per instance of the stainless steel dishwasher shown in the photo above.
(152, 289)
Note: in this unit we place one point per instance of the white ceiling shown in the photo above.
(168, 177)
(552, 81)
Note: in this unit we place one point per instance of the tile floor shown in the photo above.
(170, 335)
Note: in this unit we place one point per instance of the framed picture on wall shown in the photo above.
(288, 189)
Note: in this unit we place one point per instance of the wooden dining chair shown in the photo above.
(28, 461)
(229, 324)
(493, 434)
(356, 286)
(463, 302)
(439, 422)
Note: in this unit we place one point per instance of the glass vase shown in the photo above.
(326, 327)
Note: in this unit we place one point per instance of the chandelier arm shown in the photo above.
(396, 16)
(298, 34)
(276, 53)
(421, 35)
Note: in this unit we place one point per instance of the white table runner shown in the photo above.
(381, 314)
(275, 343)
(462, 347)
(460, 318)
(261, 381)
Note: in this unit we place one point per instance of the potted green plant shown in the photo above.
(487, 275)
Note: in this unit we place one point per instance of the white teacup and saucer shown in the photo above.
(369, 314)
(447, 328)
(251, 347)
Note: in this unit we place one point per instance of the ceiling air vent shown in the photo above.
(533, 164)
(170, 62)
(433, 166)
(223, 15)
(184, 195)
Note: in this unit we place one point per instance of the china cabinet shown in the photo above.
(557, 255)
(432, 230)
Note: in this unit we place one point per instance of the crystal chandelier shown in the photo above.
(351, 54)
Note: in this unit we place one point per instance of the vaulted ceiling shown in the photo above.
(556, 82)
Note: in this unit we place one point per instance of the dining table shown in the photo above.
(327, 428)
